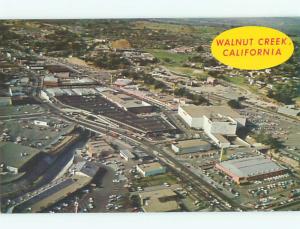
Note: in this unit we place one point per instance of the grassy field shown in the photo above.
(177, 59)
(191, 72)
(155, 180)
(237, 80)
(242, 82)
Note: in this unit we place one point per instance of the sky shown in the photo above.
(26, 9)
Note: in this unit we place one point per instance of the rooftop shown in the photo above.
(153, 201)
(251, 166)
(150, 166)
(208, 111)
(57, 191)
(89, 169)
(140, 154)
(221, 138)
(50, 78)
(125, 100)
(127, 153)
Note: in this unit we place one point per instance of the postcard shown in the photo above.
(150, 115)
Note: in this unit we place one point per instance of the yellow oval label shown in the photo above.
(252, 47)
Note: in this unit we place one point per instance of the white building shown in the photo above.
(40, 123)
(151, 169)
(126, 154)
(44, 95)
(216, 121)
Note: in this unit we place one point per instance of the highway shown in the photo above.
(202, 189)
(22, 116)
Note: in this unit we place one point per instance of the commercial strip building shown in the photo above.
(190, 146)
(251, 168)
(56, 192)
(151, 169)
(128, 103)
(164, 200)
(83, 173)
(218, 122)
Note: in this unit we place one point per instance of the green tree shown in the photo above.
(268, 139)
(234, 104)
(285, 93)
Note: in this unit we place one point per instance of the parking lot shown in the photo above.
(27, 133)
(21, 110)
(100, 106)
(261, 194)
(285, 130)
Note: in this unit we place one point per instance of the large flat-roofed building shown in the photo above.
(57, 191)
(190, 146)
(216, 121)
(126, 154)
(151, 169)
(251, 168)
(17, 158)
(127, 102)
(163, 200)
(83, 173)
(194, 115)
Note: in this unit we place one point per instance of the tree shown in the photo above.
(199, 48)
(167, 60)
(285, 93)
(234, 104)
(267, 139)
(135, 201)
(197, 59)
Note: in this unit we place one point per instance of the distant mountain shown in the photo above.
(289, 25)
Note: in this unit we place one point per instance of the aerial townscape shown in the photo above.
(136, 115)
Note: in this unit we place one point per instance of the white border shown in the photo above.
(39, 9)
